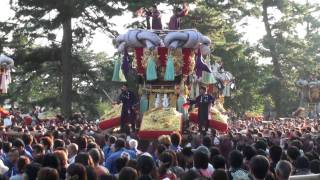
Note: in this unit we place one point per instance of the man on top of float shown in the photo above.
(203, 102)
(128, 100)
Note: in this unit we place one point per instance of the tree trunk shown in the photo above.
(66, 50)
(275, 60)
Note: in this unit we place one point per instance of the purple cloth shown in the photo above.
(200, 65)
(125, 62)
(156, 20)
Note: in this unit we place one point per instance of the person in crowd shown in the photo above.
(166, 160)
(82, 143)
(259, 167)
(109, 145)
(220, 174)
(120, 151)
(218, 162)
(32, 170)
(38, 153)
(236, 171)
(19, 144)
(315, 166)
(283, 170)
(156, 17)
(28, 139)
(84, 158)
(99, 170)
(128, 100)
(201, 162)
(13, 157)
(58, 143)
(72, 152)
(133, 144)
(48, 173)
(76, 171)
(175, 20)
(6, 147)
(145, 166)
(174, 168)
(248, 153)
(23, 161)
(175, 139)
(47, 144)
(63, 159)
(128, 173)
(203, 102)
(302, 166)
(275, 153)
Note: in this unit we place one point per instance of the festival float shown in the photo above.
(172, 65)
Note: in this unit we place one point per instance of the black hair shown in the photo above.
(315, 166)
(6, 146)
(82, 143)
(128, 173)
(235, 159)
(259, 166)
(275, 153)
(218, 161)
(51, 160)
(18, 143)
(261, 145)
(249, 152)
(145, 164)
(95, 155)
(166, 159)
(293, 153)
(220, 174)
(121, 163)
(120, 143)
(58, 143)
(200, 160)
(302, 163)
(32, 170)
(91, 173)
(27, 139)
(206, 141)
(191, 175)
(175, 138)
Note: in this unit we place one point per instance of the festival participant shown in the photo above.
(175, 20)
(203, 102)
(128, 100)
(156, 17)
(13, 159)
(120, 151)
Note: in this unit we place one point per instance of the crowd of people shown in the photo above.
(78, 150)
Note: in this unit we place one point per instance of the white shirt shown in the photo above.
(72, 159)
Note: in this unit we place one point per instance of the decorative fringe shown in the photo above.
(169, 74)
(182, 100)
(139, 59)
(144, 104)
(207, 77)
(151, 69)
(118, 75)
(125, 62)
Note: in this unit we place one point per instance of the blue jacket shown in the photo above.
(111, 160)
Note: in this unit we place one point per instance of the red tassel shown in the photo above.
(162, 52)
(186, 61)
(139, 54)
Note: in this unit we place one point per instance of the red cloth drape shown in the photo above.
(162, 52)
(139, 55)
(186, 61)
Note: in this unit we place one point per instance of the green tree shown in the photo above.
(218, 21)
(40, 17)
